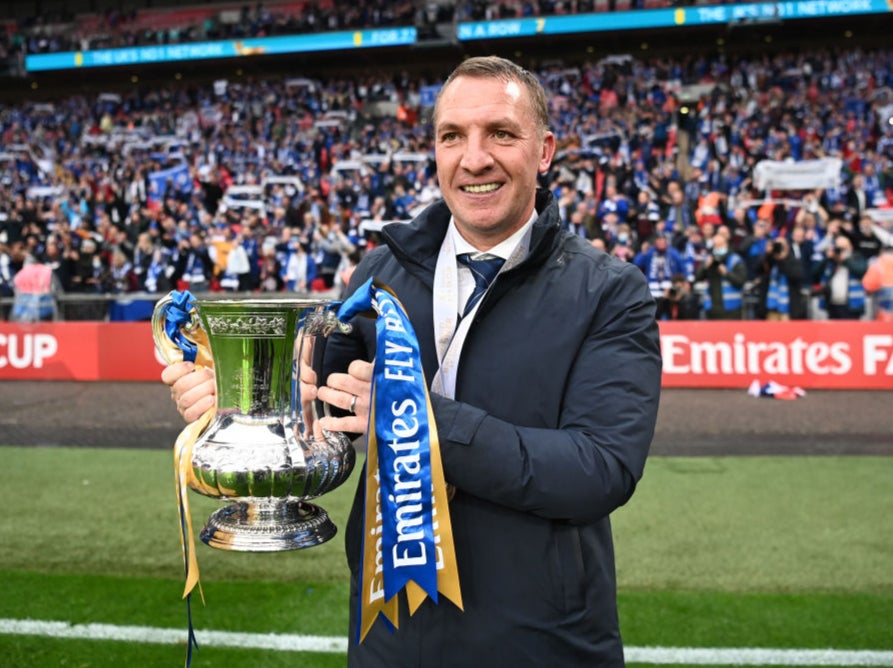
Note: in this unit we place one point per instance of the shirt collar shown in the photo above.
(503, 249)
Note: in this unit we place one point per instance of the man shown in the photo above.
(544, 395)
(840, 274)
(755, 246)
(679, 302)
(865, 241)
(332, 247)
(645, 214)
(143, 256)
(614, 203)
(802, 248)
(194, 266)
(779, 283)
(659, 263)
(679, 215)
(726, 275)
(577, 223)
(856, 198)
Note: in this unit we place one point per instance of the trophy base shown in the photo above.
(268, 526)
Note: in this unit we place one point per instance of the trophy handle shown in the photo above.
(306, 407)
(328, 323)
(175, 324)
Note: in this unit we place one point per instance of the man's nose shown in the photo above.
(476, 157)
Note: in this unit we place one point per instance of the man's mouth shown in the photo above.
(482, 188)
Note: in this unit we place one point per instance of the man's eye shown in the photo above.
(448, 136)
(501, 134)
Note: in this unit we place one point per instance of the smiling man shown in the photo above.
(491, 139)
(544, 385)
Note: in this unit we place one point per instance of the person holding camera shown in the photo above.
(726, 274)
(679, 302)
(839, 275)
(780, 280)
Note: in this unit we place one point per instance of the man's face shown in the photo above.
(488, 152)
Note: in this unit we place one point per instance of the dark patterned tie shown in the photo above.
(484, 271)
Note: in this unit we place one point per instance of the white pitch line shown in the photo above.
(156, 636)
(757, 656)
(717, 656)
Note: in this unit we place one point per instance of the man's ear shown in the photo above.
(548, 153)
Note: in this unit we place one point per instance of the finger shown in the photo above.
(344, 383)
(340, 398)
(188, 395)
(308, 391)
(361, 370)
(196, 410)
(318, 434)
(308, 375)
(356, 381)
(340, 381)
(351, 424)
(199, 378)
(194, 393)
(173, 372)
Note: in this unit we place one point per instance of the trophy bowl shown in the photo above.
(263, 453)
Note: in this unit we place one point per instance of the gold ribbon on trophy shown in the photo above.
(176, 346)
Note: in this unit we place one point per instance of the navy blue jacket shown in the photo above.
(556, 401)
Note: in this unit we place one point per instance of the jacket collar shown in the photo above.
(416, 244)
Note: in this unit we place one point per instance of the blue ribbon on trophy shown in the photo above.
(177, 315)
(407, 537)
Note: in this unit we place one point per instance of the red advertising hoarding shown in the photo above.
(842, 355)
(78, 351)
(852, 355)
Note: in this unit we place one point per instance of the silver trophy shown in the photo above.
(264, 452)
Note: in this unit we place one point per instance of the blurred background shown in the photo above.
(260, 146)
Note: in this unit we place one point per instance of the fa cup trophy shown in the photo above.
(263, 451)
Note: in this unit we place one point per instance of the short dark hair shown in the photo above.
(495, 67)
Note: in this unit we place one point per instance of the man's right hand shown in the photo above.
(193, 390)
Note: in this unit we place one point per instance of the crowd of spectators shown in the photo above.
(112, 28)
(655, 165)
(115, 29)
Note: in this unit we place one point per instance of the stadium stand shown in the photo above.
(136, 190)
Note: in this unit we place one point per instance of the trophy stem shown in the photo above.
(268, 526)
